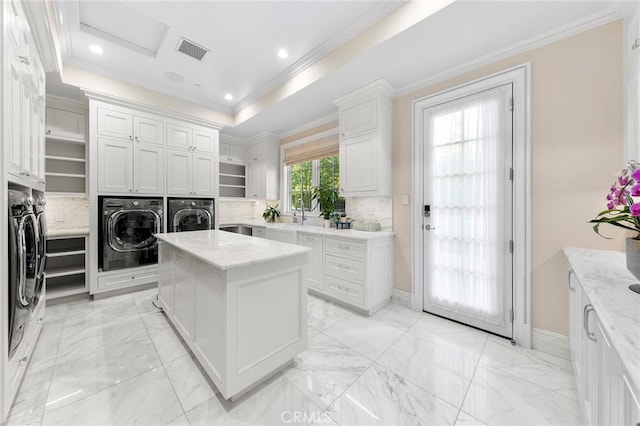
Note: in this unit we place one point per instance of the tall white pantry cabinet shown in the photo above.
(137, 150)
(22, 123)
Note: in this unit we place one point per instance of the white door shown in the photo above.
(115, 166)
(179, 137)
(149, 168)
(148, 131)
(204, 141)
(467, 209)
(179, 172)
(115, 124)
(204, 174)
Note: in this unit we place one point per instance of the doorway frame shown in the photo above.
(520, 77)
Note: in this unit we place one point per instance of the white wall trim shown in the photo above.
(311, 125)
(401, 297)
(593, 21)
(520, 77)
(67, 104)
(551, 343)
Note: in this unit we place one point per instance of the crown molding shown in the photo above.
(601, 18)
(312, 124)
(42, 26)
(233, 139)
(378, 87)
(372, 16)
(116, 100)
(67, 104)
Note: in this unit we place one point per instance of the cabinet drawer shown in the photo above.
(131, 279)
(345, 291)
(345, 247)
(348, 269)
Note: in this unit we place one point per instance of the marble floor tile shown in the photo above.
(144, 301)
(86, 314)
(381, 397)
(369, 337)
(189, 382)
(465, 419)
(46, 349)
(498, 398)
(53, 313)
(326, 369)
(83, 373)
(180, 421)
(275, 402)
(398, 316)
(548, 371)
(443, 370)
(22, 420)
(147, 399)
(323, 314)
(30, 400)
(448, 333)
(167, 343)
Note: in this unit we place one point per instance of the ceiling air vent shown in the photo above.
(192, 49)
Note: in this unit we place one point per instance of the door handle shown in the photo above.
(428, 227)
(569, 280)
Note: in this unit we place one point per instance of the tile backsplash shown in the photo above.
(67, 212)
(379, 209)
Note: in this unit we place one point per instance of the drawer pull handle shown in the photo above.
(585, 318)
(346, 268)
(343, 247)
(569, 280)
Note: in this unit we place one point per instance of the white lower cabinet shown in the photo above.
(356, 273)
(258, 231)
(281, 235)
(129, 278)
(313, 274)
(607, 398)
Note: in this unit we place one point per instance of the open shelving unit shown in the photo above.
(65, 272)
(232, 180)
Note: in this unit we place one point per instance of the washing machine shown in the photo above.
(23, 265)
(186, 214)
(41, 225)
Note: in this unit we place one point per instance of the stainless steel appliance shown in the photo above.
(187, 214)
(237, 229)
(127, 232)
(23, 265)
(41, 225)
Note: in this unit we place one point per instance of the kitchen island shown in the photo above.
(239, 303)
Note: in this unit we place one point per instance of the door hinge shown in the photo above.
(510, 246)
(511, 315)
(511, 103)
(511, 174)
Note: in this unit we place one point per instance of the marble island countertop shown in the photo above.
(319, 230)
(605, 280)
(226, 250)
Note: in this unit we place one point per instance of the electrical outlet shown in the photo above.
(405, 199)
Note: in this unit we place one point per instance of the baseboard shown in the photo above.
(401, 297)
(551, 343)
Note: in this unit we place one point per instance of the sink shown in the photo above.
(635, 288)
(237, 229)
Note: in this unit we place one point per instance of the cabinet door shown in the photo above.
(258, 152)
(165, 276)
(223, 151)
(256, 180)
(237, 154)
(313, 273)
(115, 124)
(204, 141)
(12, 112)
(179, 137)
(115, 166)
(204, 174)
(179, 172)
(147, 130)
(40, 132)
(609, 381)
(148, 168)
(631, 403)
(358, 119)
(27, 118)
(66, 125)
(184, 297)
(358, 158)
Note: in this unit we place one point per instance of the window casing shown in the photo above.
(302, 177)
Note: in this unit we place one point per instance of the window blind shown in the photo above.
(315, 149)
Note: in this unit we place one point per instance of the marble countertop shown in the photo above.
(605, 279)
(226, 250)
(67, 232)
(318, 230)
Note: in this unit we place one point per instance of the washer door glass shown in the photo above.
(133, 230)
(29, 252)
(192, 220)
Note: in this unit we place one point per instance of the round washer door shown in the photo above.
(133, 229)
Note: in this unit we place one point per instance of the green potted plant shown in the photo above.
(623, 211)
(271, 213)
(325, 198)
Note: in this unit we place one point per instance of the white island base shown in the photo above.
(239, 303)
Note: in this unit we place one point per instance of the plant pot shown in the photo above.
(327, 223)
(633, 257)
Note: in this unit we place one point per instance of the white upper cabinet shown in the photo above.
(205, 172)
(263, 176)
(147, 130)
(191, 173)
(148, 168)
(232, 153)
(115, 124)
(358, 119)
(204, 141)
(179, 136)
(115, 165)
(66, 125)
(365, 141)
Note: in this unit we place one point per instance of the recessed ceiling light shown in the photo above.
(283, 54)
(228, 97)
(96, 49)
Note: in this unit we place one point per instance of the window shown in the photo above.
(303, 176)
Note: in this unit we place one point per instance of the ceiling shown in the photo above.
(244, 38)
